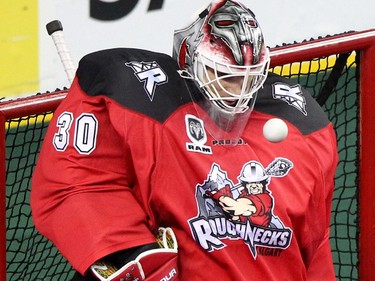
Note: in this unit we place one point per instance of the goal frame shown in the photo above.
(364, 41)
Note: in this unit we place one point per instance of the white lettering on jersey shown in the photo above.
(292, 95)
(61, 138)
(150, 73)
(84, 135)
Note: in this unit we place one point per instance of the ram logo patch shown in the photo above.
(197, 135)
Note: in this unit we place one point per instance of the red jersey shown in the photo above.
(127, 152)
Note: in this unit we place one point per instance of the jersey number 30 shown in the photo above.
(85, 133)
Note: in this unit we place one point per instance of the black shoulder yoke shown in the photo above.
(281, 98)
(144, 81)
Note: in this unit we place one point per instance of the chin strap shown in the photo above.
(151, 265)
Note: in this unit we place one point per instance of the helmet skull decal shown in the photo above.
(236, 26)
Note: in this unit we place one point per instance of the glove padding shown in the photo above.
(151, 265)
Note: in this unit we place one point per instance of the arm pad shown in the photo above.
(151, 265)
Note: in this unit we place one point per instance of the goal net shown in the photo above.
(335, 69)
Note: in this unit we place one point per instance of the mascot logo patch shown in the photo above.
(241, 211)
(150, 73)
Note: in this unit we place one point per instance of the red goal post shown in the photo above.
(363, 43)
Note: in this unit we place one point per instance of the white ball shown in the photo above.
(275, 130)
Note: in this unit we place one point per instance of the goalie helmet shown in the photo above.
(226, 40)
(223, 51)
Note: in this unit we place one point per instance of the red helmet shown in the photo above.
(223, 50)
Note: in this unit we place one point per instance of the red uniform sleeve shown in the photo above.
(82, 191)
(321, 265)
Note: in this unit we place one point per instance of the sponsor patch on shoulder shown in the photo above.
(197, 135)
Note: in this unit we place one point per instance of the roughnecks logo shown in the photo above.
(241, 211)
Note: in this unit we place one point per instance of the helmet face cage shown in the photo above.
(223, 50)
(229, 87)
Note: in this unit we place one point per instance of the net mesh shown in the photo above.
(339, 97)
(331, 81)
(29, 255)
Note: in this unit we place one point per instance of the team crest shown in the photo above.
(292, 95)
(197, 135)
(150, 73)
(243, 210)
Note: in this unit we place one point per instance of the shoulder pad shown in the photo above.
(144, 81)
(282, 98)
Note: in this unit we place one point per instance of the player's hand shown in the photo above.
(151, 265)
